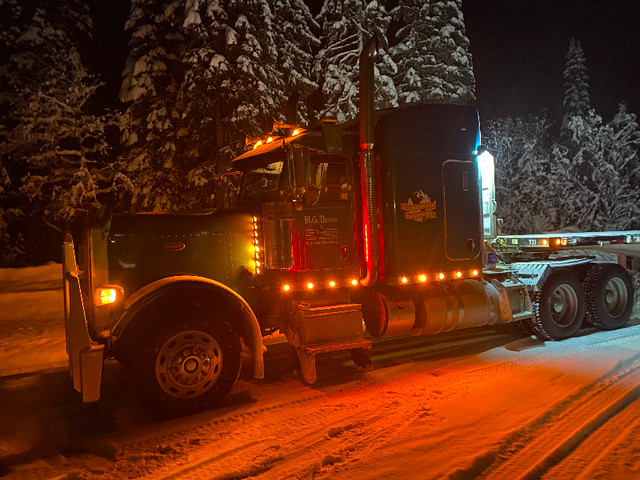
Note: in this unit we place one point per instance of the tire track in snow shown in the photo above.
(534, 449)
(600, 455)
(299, 447)
(263, 440)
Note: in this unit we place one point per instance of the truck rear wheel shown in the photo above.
(187, 367)
(558, 309)
(609, 296)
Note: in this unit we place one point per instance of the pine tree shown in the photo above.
(198, 81)
(55, 163)
(576, 84)
(434, 64)
(347, 25)
(296, 42)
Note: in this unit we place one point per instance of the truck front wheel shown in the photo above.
(559, 306)
(609, 293)
(188, 367)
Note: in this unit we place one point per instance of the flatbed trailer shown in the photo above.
(615, 242)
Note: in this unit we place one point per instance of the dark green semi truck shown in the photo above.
(377, 226)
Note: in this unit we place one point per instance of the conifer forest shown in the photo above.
(142, 105)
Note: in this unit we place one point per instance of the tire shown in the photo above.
(558, 309)
(609, 296)
(188, 366)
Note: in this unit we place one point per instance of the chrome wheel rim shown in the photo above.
(188, 364)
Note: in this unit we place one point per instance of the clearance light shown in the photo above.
(270, 139)
(458, 274)
(310, 286)
(354, 282)
(286, 288)
(545, 242)
(107, 295)
(332, 284)
(423, 278)
(564, 242)
(557, 242)
(441, 276)
(258, 143)
(404, 280)
(256, 248)
(295, 132)
(475, 273)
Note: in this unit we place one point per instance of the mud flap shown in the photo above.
(86, 358)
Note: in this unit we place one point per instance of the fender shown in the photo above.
(149, 293)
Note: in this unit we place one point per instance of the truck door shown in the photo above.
(461, 209)
(324, 235)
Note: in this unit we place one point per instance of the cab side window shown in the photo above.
(333, 181)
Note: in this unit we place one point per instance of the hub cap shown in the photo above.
(188, 364)
(615, 297)
(563, 305)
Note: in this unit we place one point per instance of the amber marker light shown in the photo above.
(258, 143)
(475, 273)
(270, 139)
(404, 279)
(286, 288)
(545, 242)
(295, 132)
(354, 282)
(557, 242)
(332, 284)
(107, 295)
(310, 286)
(423, 278)
(458, 274)
(441, 276)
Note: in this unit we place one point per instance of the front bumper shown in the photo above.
(86, 357)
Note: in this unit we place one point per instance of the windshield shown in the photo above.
(263, 182)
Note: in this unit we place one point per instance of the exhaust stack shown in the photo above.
(367, 171)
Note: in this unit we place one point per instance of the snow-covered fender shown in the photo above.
(144, 297)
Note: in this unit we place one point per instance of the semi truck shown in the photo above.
(338, 235)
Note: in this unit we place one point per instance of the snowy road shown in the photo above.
(481, 403)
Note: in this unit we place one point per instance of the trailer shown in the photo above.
(339, 234)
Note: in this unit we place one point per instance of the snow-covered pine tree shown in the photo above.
(347, 25)
(231, 89)
(54, 153)
(526, 192)
(198, 79)
(156, 153)
(576, 84)
(434, 63)
(294, 33)
(602, 162)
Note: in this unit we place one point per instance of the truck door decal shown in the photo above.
(419, 207)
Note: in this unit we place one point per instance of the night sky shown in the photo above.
(519, 49)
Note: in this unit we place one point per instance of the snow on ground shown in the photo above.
(31, 319)
(474, 404)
